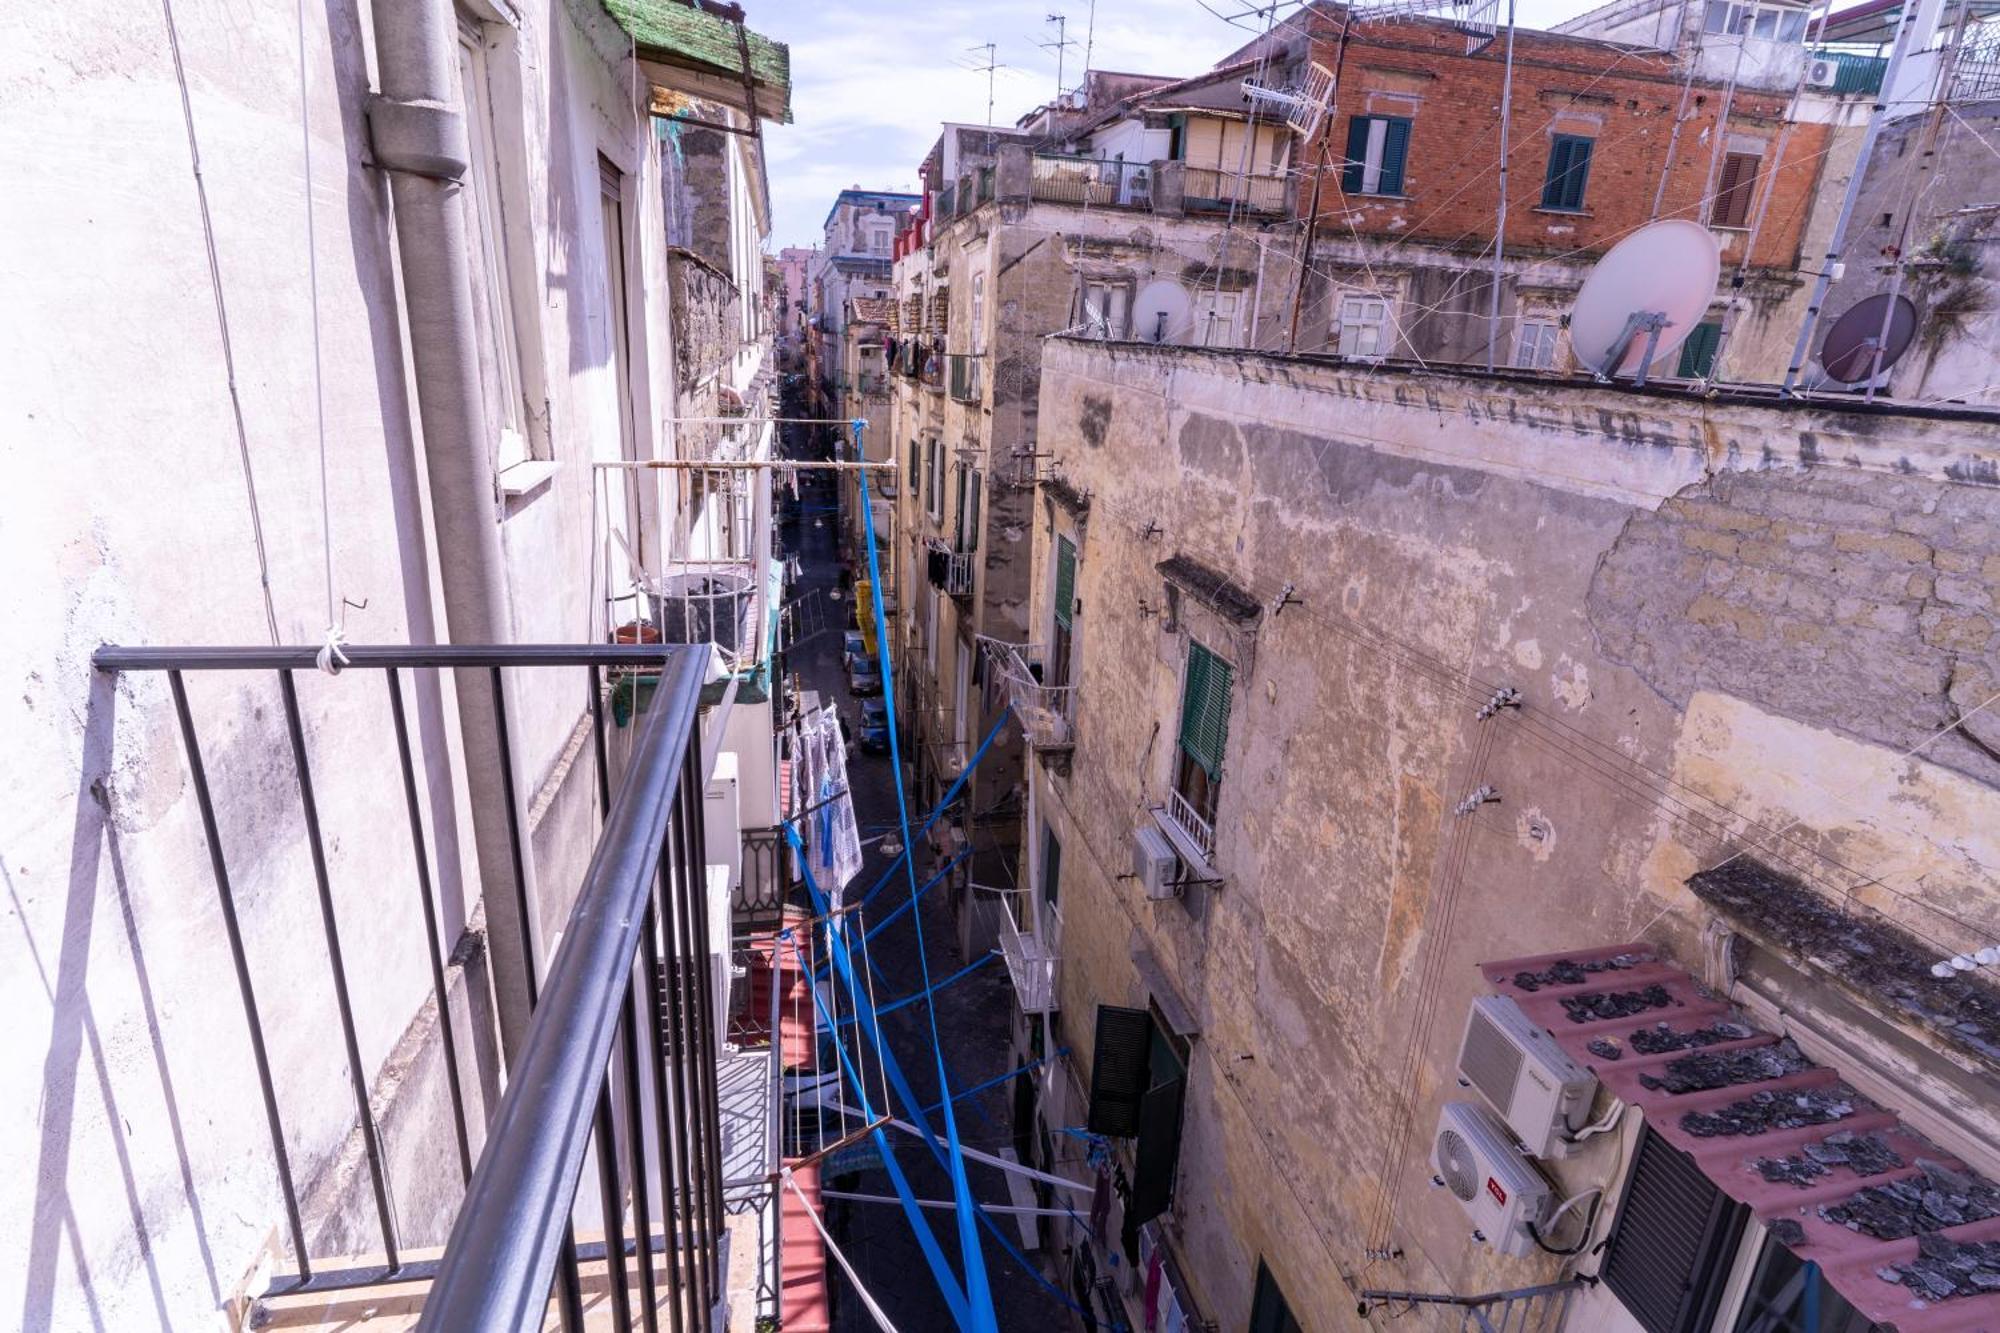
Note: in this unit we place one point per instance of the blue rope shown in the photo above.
(978, 1293)
(947, 1281)
(998, 1079)
(878, 927)
(911, 999)
(945, 803)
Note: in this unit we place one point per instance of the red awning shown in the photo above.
(1850, 1260)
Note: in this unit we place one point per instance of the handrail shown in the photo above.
(119, 657)
(502, 1253)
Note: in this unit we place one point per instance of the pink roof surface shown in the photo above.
(1848, 1259)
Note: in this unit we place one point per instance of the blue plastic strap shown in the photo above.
(978, 1292)
(911, 999)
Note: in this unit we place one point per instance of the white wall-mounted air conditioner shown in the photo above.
(1531, 1083)
(1822, 73)
(1154, 862)
(1501, 1192)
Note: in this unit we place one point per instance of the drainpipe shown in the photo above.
(417, 133)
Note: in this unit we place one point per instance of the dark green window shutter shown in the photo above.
(1065, 581)
(974, 496)
(1395, 151)
(1669, 1251)
(1698, 352)
(1569, 171)
(1357, 153)
(1158, 1154)
(1268, 1311)
(1205, 709)
(1177, 135)
(1119, 1070)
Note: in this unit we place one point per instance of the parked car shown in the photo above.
(851, 648)
(875, 726)
(863, 676)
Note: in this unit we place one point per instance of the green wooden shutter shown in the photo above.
(1395, 151)
(1120, 1070)
(1158, 1154)
(1065, 581)
(1668, 1255)
(1357, 153)
(1205, 709)
(1698, 352)
(1569, 172)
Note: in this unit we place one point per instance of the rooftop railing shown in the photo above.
(1207, 190)
(1088, 180)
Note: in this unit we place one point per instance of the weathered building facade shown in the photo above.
(1413, 672)
(405, 295)
(1017, 241)
(854, 262)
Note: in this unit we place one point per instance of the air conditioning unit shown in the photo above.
(1822, 73)
(1530, 1082)
(1154, 862)
(1500, 1192)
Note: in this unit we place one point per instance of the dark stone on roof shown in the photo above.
(1863, 1154)
(1214, 590)
(1763, 1112)
(1567, 972)
(1788, 1232)
(1878, 963)
(1931, 1201)
(1606, 1005)
(1704, 1070)
(1663, 1037)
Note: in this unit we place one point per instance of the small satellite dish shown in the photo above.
(1850, 352)
(1160, 313)
(1644, 298)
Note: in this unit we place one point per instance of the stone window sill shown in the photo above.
(523, 480)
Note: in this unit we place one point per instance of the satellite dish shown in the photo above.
(1644, 298)
(1160, 313)
(1850, 352)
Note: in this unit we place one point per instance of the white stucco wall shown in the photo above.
(142, 1185)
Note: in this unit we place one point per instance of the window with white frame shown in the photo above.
(978, 312)
(493, 305)
(1535, 344)
(1218, 319)
(1771, 23)
(1361, 327)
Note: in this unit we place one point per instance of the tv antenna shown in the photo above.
(992, 64)
(1061, 43)
(1643, 298)
(1871, 337)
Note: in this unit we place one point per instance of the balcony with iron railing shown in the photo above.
(1206, 190)
(1192, 832)
(951, 571)
(1046, 712)
(1099, 182)
(614, 1075)
(967, 376)
(1030, 965)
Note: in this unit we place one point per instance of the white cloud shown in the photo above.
(872, 80)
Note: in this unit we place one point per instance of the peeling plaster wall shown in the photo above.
(1445, 535)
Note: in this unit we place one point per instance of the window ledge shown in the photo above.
(1564, 212)
(1199, 865)
(525, 479)
(1392, 198)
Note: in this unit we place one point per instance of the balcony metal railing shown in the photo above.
(1853, 71)
(952, 571)
(1031, 966)
(966, 376)
(1046, 712)
(1541, 1309)
(637, 936)
(1209, 190)
(1089, 180)
(1199, 832)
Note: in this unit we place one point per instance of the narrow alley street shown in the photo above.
(971, 1017)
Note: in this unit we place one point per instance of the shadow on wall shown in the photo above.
(73, 1035)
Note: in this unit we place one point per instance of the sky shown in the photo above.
(872, 80)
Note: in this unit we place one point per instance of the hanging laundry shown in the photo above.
(833, 840)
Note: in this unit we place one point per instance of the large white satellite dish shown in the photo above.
(1161, 313)
(1644, 298)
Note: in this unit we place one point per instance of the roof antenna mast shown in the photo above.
(1059, 45)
